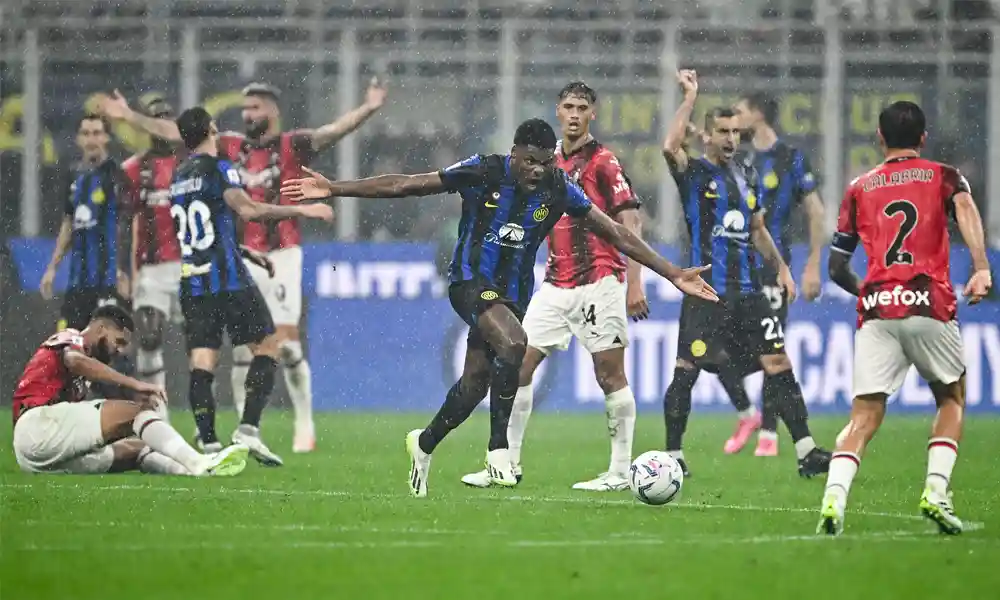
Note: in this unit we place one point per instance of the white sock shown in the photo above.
(676, 454)
(298, 378)
(519, 415)
(156, 463)
(746, 414)
(942, 453)
(162, 438)
(620, 407)
(804, 446)
(767, 435)
(843, 468)
(241, 365)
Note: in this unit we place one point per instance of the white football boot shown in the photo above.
(249, 436)
(499, 469)
(420, 464)
(605, 482)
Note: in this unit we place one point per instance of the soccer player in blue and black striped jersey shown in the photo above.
(217, 293)
(509, 205)
(742, 333)
(89, 230)
(787, 182)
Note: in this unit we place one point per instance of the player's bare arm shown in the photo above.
(811, 283)
(764, 244)
(970, 225)
(382, 186)
(673, 145)
(91, 369)
(840, 272)
(62, 245)
(115, 107)
(635, 296)
(248, 210)
(330, 134)
(688, 280)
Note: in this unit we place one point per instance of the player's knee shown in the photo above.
(678, 396)
(774, 364)
(150, 326)
(529, 364)
(512, 351)
(610, 376)
(475, 384)
(242, 355)
(269, 346)
(126, 454)
(291, 354)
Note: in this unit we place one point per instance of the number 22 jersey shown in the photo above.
(206, 227)
(899, 212)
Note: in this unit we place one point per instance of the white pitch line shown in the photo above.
(590, 500)
(287, 527)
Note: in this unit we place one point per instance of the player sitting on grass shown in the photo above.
(56, 431)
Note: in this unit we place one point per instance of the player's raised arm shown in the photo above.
(970, 225)
(764, 244)
(845, 241)
(330, 134)
(625, 240)
(116, 107)
(673, 144)
(380, 186)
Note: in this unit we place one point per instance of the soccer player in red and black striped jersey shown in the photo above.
(156, 253)
(589, 291)
(899, 211)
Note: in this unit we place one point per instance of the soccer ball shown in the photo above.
(656, 478)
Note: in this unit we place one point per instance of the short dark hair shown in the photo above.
(116, 314)
(535, 132)
(578, 88)
(94, 117)
(717, 113)
(264, 90)
(902, 125)
(765, 104)
(194, 125)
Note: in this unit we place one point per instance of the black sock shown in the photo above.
(677, 406)
(259, 384)
(732, 382)
(769, 414)
(503, 389)
(203, 404)
(786, 396)
(457, 407)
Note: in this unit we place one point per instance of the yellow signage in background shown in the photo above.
(11, 140)
(631, 125)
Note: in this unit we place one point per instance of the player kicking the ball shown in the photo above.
(56, 431)
(906, 305)
(509, 205)
(585, 292)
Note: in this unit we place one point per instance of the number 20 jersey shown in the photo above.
(206, 227)
(899, 212)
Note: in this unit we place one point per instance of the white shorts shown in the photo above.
(158, 287)
(283, 292)
(884, 350)
(594, 313)
(62, 438)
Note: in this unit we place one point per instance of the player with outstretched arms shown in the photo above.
(217, 293)
(57, 431)
(156, 253)
(906, 304)
(264, 156)
(510, 204)
(589, 291)
(742, 333)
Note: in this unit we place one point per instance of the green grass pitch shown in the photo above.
(339, 523)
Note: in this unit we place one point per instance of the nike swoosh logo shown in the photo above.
(711, 195)
(779, 346)
(488, 205)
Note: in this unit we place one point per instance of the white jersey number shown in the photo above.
(195, 222)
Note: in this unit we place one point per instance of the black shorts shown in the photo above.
(80, 304)
(734, 332)
(470, 299)
(774, 293)
(243, 314)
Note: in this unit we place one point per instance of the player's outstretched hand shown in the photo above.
(376, 94)
(323, 212)
(690, 282)
(258, 258)
(114, 106)
(979, 286)
(635, 303)
(787, 283)
(306, 188)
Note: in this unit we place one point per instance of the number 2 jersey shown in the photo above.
(899, 212)
(46, 380)
(206, 227)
